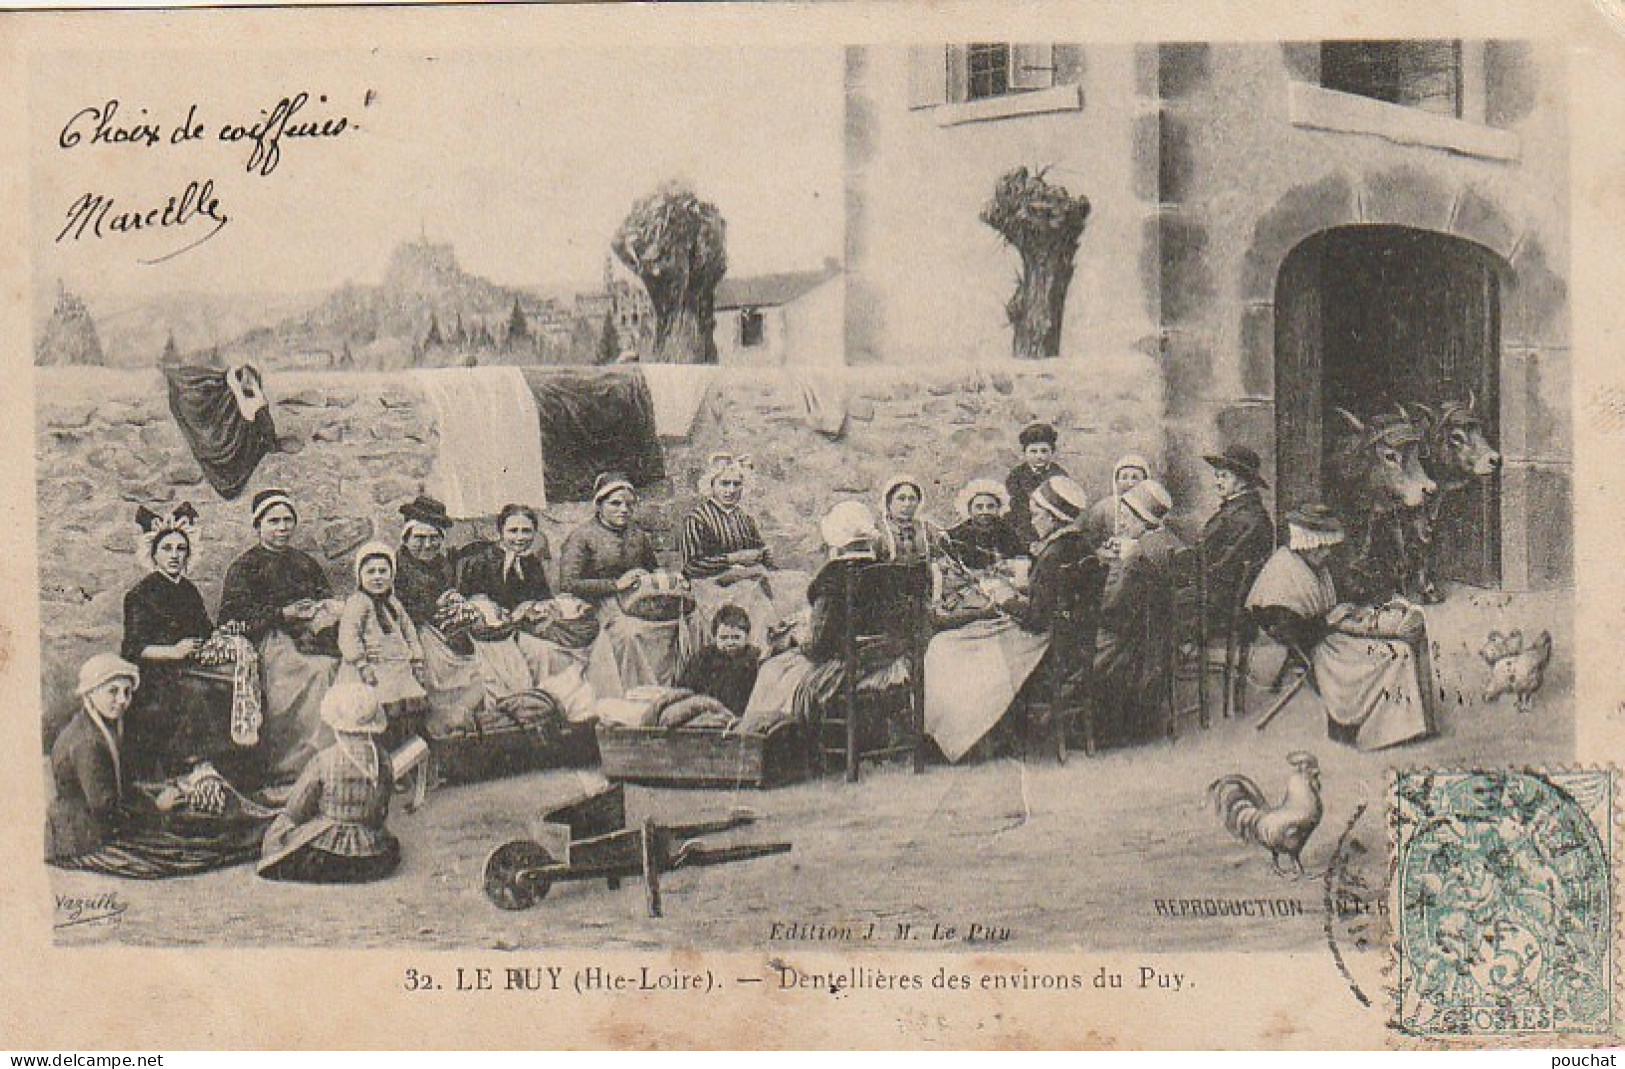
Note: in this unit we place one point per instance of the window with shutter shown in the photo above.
(1032, 66)
(927, 75)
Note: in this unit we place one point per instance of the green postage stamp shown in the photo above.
(1505, 902)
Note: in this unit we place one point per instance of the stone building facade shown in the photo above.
(1270, 223)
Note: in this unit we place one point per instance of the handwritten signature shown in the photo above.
(74, 911)
(98, 215)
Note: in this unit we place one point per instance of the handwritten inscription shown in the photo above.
(97, 215)
(93, 216)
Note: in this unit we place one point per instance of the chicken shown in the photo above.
(1516, 668)
(1282, 829)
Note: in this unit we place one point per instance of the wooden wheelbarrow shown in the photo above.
(595, 843)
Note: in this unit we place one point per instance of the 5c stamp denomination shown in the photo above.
(1505, 902)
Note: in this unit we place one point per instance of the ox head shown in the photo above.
(1385, 455)
(1456, 446)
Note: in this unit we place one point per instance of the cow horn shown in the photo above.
(1354, 421)
(1472, 401)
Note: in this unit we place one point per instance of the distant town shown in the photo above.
(426, 312)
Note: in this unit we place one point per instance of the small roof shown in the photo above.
(770, 291)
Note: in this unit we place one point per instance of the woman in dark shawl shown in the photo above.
(984, 537)
(170, 725)
(425, 577)
(284, 602)
(511, 571)
(880, 609)
(424, 572)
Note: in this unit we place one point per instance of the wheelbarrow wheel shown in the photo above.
(511, 879)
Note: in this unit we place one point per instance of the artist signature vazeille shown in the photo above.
(74, 911)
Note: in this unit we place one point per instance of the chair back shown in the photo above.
(886, 599)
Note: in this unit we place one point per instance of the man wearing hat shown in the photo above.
(1240, 534)
(424, 571)
(1037, 465)
(1136, 611)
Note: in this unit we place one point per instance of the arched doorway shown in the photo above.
(1368, 317)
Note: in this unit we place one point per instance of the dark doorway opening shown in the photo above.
(1367, 318)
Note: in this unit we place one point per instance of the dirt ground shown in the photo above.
(1063, 857)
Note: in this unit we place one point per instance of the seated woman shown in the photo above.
(724, 556)
(512, 570)
(512, 573)
(974, 673)
(603, 558)
(182, 713)
(891, 616)
(332, 828)
(97, 820)
(284, 602)
(1133, 647)
(1106, 516)
(983, 538)
(1370, 667)
(424, 572)
(905, 536)
(425, 581)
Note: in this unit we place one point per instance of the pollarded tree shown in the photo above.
(677, 245)
(1044, 223)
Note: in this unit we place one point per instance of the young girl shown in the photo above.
(379, 644)
(332, 828)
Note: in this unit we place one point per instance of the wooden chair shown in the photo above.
(1052, 707)
(895, 607)
(1240, 630)
(1295, 658)
(1185, 639)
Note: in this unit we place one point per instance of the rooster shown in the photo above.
(1515, 667)
(1282, 829)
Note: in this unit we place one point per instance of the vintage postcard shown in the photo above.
(834, 525)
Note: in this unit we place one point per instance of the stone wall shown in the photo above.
(358, 445)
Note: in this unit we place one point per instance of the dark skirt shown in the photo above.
(312, 864)
(181, 716)
(883, 690)
(159, 852)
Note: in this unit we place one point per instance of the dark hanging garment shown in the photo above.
(226, 419)
(595, 421)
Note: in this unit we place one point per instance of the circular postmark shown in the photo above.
(1358, 876)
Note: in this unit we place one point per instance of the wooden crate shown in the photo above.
(469, 757)
(691, 757)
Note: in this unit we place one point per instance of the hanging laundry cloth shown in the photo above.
(490, 441)
(824, 399)
(595, 420)
(677, 391)
(225, 418)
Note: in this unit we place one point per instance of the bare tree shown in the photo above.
(677, 245)
(1044, 223)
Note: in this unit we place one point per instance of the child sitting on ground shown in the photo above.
(332, 828)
